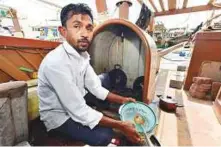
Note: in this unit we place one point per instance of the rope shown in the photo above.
(218, 15)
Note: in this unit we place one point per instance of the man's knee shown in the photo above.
(105, 137)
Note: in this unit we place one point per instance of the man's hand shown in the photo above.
(127, 99)
(119, 99)
(127, 128)
(130, 132)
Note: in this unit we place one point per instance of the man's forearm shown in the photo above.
(111, 97)
(109, 122)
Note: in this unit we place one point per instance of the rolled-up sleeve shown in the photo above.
(93, 84)
(72, 100)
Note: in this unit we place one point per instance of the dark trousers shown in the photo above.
(98, 136)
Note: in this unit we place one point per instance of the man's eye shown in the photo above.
(76, 26)
(90, 29)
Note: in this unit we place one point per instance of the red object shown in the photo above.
(202, 80)
(197, 94)
(168, 104)
(201, 88)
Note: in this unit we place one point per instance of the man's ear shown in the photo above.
(62, 31)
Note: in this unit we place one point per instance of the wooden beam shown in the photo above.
(186, 10)
(162, 5)
(101, 6)
(170, 49)
(15, 21)
(153, 5)
(8, 67)
(32, 43)
(185, 3)
(172, 4)
(40, 53)
(30, 62)
(151, 25)
(210, 2)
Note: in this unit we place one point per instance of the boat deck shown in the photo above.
(195, 124)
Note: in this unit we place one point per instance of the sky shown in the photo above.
(37, 13)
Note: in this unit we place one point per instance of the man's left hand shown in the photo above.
(127, 99)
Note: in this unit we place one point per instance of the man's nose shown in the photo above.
(84, 33)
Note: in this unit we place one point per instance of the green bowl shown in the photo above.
(130, 110)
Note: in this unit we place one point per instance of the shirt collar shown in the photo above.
(70, 50)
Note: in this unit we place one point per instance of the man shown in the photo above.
(65, 76)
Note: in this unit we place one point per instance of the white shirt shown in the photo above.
(63, 76)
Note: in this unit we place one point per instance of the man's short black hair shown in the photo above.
(68, 11)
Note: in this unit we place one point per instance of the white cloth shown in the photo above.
(63, 76)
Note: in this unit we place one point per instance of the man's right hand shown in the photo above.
(127, 128)
(130, 132)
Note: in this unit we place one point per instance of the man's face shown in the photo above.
(78, 32)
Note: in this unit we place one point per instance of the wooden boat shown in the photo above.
(20, 58)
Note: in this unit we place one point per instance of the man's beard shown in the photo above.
(81, 49)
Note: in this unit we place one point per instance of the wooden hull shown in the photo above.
(206, 48)
(18, 52)
(118, 41)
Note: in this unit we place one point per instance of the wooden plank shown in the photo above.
(40, 53)
(8, 67)
(151, 25)
(170, 49)
(15, 21)
(31, 43)
(4, 77)
(153, 5)
(185, 3)
(26, 59)
(186, 10)
(206, 43)
(210, 69)
(115, 53)
(16, 59)
(162, 5)
(101, 6)
(100, 44)
(141, 59)
(131, 57)
(172, 4)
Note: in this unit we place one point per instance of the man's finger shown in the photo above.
(137, 140)
(137, 135)
(131, 99)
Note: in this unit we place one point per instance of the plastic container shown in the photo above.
(130, 111)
